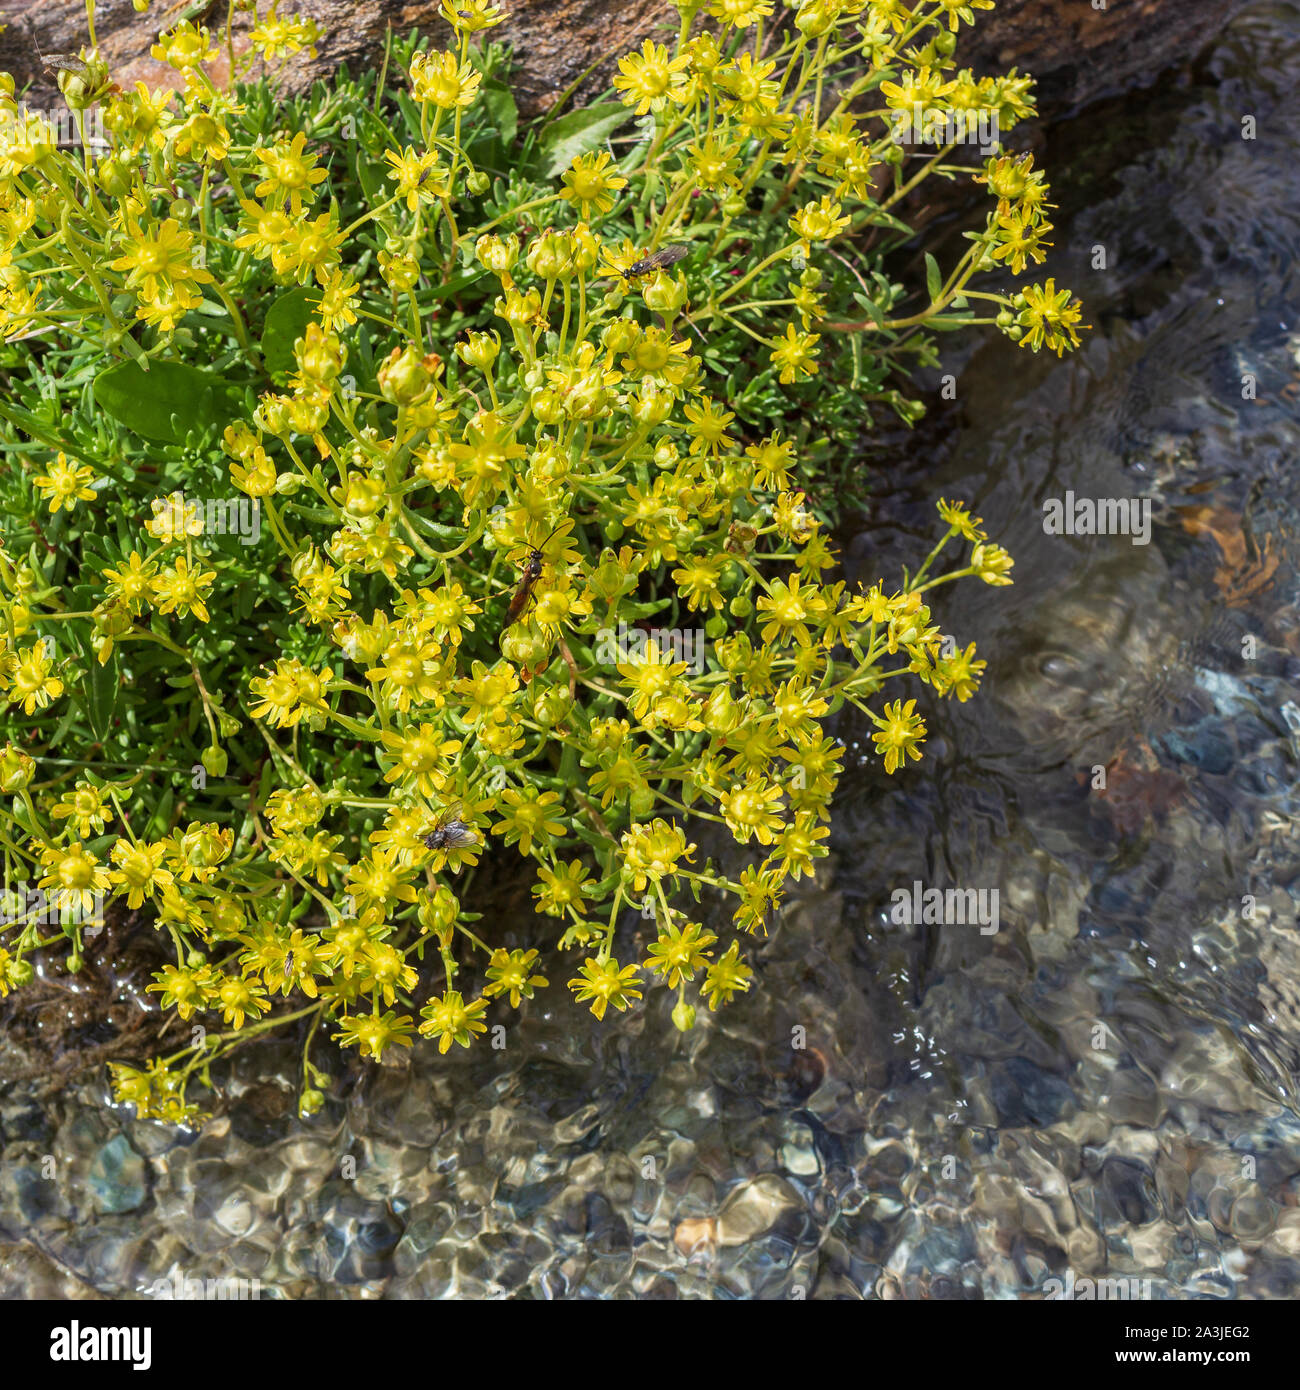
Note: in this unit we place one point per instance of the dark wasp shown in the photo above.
(657, 260)
(531, 573)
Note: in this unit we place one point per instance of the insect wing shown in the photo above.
(458, 835)
(64, 62)
(670, 255)
(450, 832)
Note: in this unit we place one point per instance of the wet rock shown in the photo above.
(755, 1208)
(117, 1177)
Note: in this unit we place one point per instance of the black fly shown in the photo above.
(450, 832)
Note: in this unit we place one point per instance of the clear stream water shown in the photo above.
(1106, 1087)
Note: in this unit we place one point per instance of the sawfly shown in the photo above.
(657, 260)
(532, 572)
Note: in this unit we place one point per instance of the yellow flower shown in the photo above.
(184, 989)
(30, 682)
(529, 814)
(74, 878)
(66, 483)
(508, 973)
(753, 808)
(963, 9)
(786, 611)
(679, 952)
(1050, 315)
(588, 183)
(450, 1019)
(727, 977)
(372, 1033)
(139, 870)
(160, 258)
(84, 809)
(604, 984)
(898, 733)
(290, 175)
(184, 47)
(1019, 239)
(419, 176)
(422, 755)
(991, 563)
(179, 589)
(794, 354)
(276, 38)
(443, 82)
(959, 519)
(741, 13)
(649, 80)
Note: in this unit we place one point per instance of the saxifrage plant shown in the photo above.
(387, 479)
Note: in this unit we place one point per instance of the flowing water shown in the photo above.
(1105, 1087)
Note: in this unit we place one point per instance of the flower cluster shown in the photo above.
(394, 494)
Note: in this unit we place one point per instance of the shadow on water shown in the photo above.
(1106, 1085)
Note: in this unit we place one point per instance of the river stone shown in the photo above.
(116, 1177)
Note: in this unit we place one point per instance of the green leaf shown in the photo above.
(168, 401)
(501, 107)
(577, 133)
(100, 694)
(286, 322)
(933, 277)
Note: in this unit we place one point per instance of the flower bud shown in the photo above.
(405, 376)
(497, 254)
(683, 1016)
(551, 707)
(550, 257)
(115, 176)
(547, 406)
(215, 761)
(272, 416)
(82, 89)
(320, 355)
(523, 645)
(721, 714)
(665, 294)
(16, 769)
(479, 350)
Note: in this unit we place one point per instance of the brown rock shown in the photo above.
(1078, 53)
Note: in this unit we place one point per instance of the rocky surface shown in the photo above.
(1079, 53)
